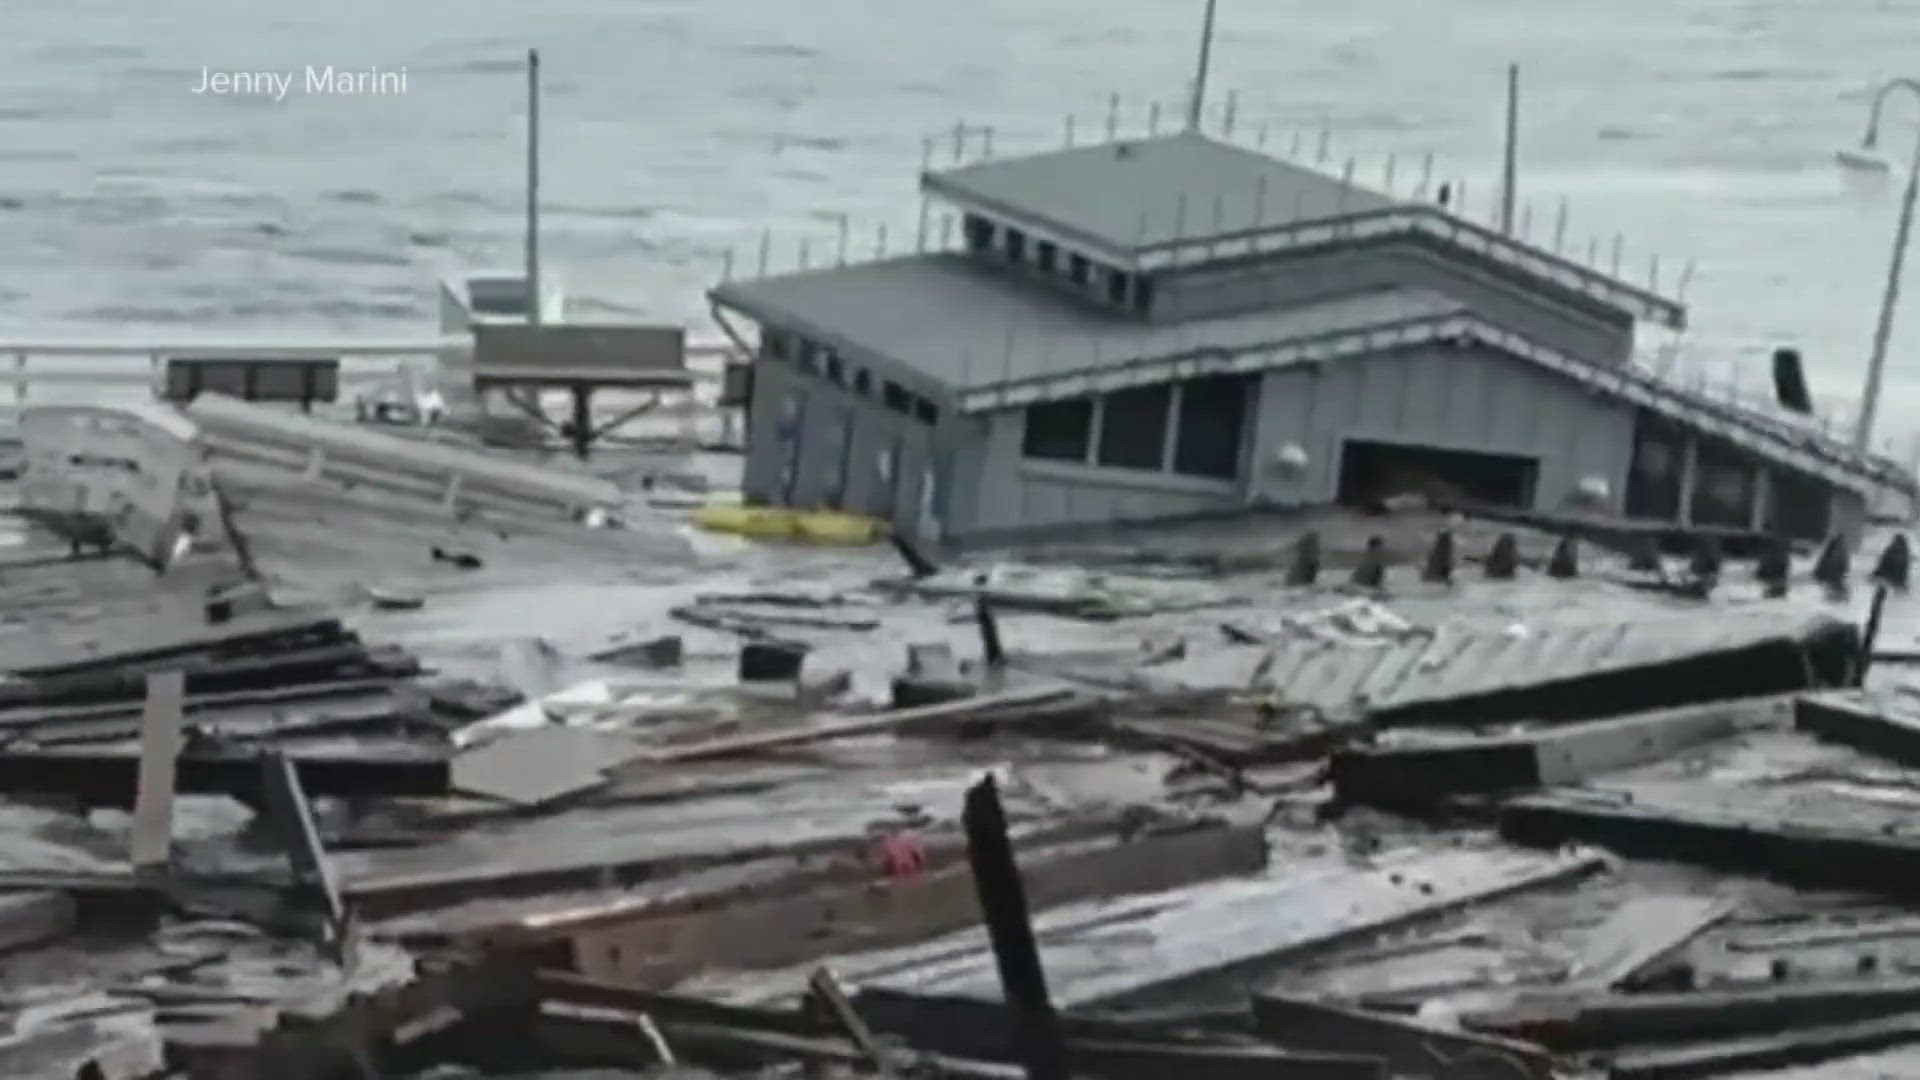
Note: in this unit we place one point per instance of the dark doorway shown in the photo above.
(1373, 472)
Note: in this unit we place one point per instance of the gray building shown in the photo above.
(1176, 327)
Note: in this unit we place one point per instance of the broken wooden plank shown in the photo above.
(1097, 958)
(288, 808)
(1877, 725)
(32, 918)
(160, 740)
(1120, 1047)
(1419, 775)
(1587, 1020)
(1641, 933)
(109, 777)
(843, 917)
(975, 708)
(826, 990)
(1801, 1045)
(534, 767)
(1412, 1049)
(1821, 856)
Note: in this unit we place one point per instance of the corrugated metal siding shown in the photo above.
(1456, 398)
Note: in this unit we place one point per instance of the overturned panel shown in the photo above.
(133, 477)
(1568, 671)
(260, 443)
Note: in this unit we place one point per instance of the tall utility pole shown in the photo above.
(1510, 165)
(1199, 98)
(1890, 298)
(533, 187)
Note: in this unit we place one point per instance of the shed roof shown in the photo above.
(969, 327)
(1121, 196)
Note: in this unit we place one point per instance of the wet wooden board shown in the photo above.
(1641, 932)
(1093, 958)
(138, 640)
(160, 739)
(1414, 1050)
(530, 768)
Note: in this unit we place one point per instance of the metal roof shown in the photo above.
(1118, 197)
(971, 327)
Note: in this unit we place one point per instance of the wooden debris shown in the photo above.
(160, 741)
(33, 918)
(1410, 1049)
(1639, 935)
(1895, 568)
(531, 768)
(984, 707)
(1439, 565)
(826, 990)
(1371, 572)
(1565, 561)
(1832, 565)
(1504, 558)
(1304, 569)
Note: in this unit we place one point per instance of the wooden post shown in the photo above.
(160, 739)
(1003, 905)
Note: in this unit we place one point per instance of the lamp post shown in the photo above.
(1870, 399)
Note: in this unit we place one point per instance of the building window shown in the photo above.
(1117, 288)
(1016, 246)
(1059, 430)
(862, 382)
(1046, 256)
(1078, 269)
(895, 397)
(1143, 294)
(1213, 415)
(925, 411)
(979, 232)
(1133, 427)
(775, 345)
(836, 370)
(807, 354)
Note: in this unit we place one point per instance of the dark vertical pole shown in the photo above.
(533, 187)
(1198, 101)
(582, 419)
(1003, 904)
(1511, 161)
(1868, 636)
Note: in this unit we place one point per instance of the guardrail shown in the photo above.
(351, 456)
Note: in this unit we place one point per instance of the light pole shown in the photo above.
(1870, 399)
(1198, 100)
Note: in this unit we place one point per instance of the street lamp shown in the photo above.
(1870, 400)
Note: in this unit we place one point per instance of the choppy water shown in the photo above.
(677, 129)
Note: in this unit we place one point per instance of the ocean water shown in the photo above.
(675, 131)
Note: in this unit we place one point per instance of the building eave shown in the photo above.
(1035, 225)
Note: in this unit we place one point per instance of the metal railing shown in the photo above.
(25, 361)
(1430, 221)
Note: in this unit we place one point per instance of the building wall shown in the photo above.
(1557, 318)
(1009, 495)
(806, 422)
(1470, 399)
(1459, 399)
